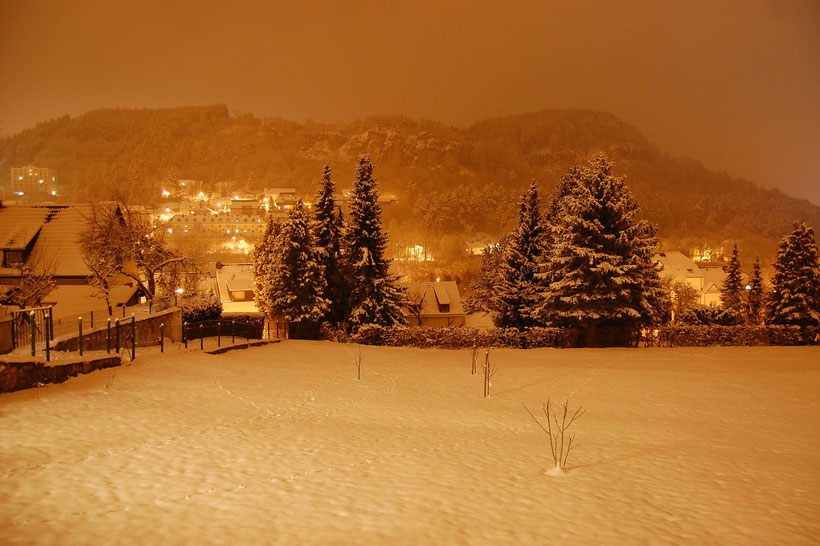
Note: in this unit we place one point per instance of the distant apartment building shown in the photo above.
(34, 183)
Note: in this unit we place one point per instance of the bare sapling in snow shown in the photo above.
(474, 356)
(489, 372)
(358, 359)
(110, 382)
(561, 441)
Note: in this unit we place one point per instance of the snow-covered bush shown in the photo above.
(708, 335)
(196, 304)
(705, 315)
(459, 338)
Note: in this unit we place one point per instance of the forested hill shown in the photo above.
(450, 179)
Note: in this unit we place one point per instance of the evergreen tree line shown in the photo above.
(585, 261)
(317, 268)
(794, 297)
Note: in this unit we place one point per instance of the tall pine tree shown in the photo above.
(795, 296)
(731, 292)
(754, 300)
(262, 261)
(375, 297)
(599, 267)
(328, 230)
(517, 292)
(297, 285)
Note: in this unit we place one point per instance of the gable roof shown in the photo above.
(18, 225)
(435, 293)
(677, 264)
(57, 248)
(233, 277)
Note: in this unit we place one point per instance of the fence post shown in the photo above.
(268, 328)
(48, 348)
(80, 338)
(33, 333)
(51, 322)
(123, 310)
(233, 332)
(108, 337)
(117, 334)
(219, 334)
(92, 319)
(162, 337)
(133, 336)
(201, 340)
(184, 334)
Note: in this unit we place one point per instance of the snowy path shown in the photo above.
(281, 444)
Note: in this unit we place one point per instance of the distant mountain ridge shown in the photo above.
(446, 179)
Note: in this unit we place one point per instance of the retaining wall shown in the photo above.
(15, 376)
(147, 328)
(6, 333)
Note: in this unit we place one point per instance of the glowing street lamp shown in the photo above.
(177, 292)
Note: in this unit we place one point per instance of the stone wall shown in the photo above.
(15, 376)
(6, 333)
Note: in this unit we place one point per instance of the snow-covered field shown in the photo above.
(281, 444)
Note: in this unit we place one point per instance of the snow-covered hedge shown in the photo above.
(703, 336)
(459, 338)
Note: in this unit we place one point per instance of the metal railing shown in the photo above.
(222, 329)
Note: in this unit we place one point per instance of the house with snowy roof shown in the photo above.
(434, 304)
(46, 238)
(234, 286)
(706, 280)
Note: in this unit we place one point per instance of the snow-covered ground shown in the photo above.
(281, 444)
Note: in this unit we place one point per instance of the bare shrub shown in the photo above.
(561, 442)
(358, 360)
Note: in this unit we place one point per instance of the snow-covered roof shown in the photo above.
(58, 245)
(713, 278)
(233, 277)
(57, 248)
(677, 264)
(435, 294)
(74, 299)
(18, 224)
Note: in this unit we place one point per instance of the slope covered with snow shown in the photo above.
(282, 444)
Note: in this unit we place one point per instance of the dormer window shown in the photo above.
(12, 258)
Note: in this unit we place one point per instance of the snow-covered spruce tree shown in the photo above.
(296, 278)
(755, 294)
(328, 230)
(517, 291)
(375, 297)
(262, 260)
(599, 268)
(795, 296)
(731, 292)
(484, 287)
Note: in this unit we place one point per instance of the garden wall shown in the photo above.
(15, 376)
(147, 328)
